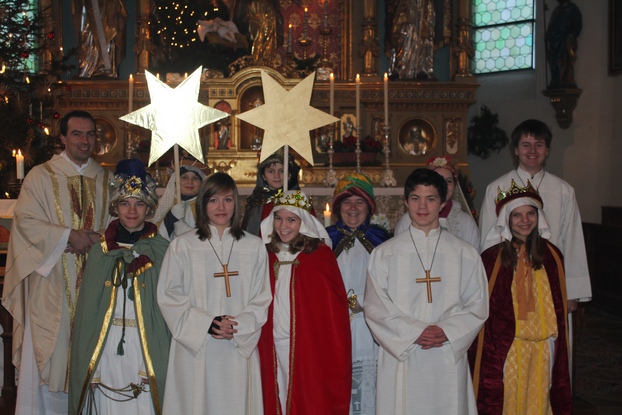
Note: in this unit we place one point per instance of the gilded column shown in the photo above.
(369, 46)
(143, 47)
(464, 49)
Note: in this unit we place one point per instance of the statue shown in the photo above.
(262, 21)
(100, 27)
(410, 42)
(348, 128)
(223, 137)
(561, 40)
(416, 143)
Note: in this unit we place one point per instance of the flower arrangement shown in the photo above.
(382, 221)
(348, 145)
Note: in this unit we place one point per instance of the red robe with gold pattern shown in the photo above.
(320, 349)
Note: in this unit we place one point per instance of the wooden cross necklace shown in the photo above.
(427, 278)
(225, 268)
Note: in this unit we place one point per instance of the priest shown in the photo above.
(425, 301)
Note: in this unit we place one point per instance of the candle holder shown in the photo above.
(331, 176)
(387, 175)
(358, 151)
(304, 42)
(325, 32)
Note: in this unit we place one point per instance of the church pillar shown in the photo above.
(464, 49)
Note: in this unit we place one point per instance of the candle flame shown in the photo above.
(358, 78)
(131, 77)
(327, 207)
(13, 153)
(19, 153)
(306, 10)
(332, 76)
(290, 25)
(6, 194)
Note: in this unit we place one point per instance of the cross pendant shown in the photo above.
(226, 274)
(428, 280)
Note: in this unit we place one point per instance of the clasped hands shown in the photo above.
(432, 336)
(223, 327)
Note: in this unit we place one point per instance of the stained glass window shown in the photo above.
(503, 34)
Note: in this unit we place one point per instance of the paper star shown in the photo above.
(287, 117)
(174, 116)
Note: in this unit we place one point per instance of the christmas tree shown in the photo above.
(25, 91)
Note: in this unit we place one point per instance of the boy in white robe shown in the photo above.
(426, 299)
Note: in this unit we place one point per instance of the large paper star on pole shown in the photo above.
(174, 116)
(287, 117)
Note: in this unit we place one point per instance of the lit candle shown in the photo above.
(306, 24)
(130, 95)
(289, 39)
(327, 216)
(332, 93)
(358, 102)
(386, 100)
(19, 162)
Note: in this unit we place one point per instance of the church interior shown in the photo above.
(398, 120)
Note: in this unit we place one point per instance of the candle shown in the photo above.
(332, 93)
(19, 162)
(130, 95)
(325, 14)
(386, 100)
(327, 216)
(306, 24)
(358, 102)
(289, 39)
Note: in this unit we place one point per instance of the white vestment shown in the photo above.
(412, 380)
(353, 267)
(459, 223)
(39, 271)
(208, 375)
(563, 217)
(118, 371)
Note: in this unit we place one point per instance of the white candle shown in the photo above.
(306, 24)
(332, 93)
(130, 95)
(289, 39)
(386, 100)
(327, 216)
(358, 102)
(19, 162)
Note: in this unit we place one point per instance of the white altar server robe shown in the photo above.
(412, 380)
(208, 375)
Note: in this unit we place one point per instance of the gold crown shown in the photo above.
(515, 192)
(294, 198)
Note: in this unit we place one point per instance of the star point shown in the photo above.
(168, 110)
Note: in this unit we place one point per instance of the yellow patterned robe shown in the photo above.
(54, 197)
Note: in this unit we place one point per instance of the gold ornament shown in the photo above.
(287, 117)
(174, 116)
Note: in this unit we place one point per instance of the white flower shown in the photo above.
(382, 221)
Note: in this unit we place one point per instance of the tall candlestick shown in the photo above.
(358, 101)
(332, 93)
(19, 162)
(289, 39)
(130, 95)
(386, 99)
(306, 24)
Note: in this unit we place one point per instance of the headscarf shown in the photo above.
(342, 236)
(508, 201)
(356, 184)
(167, 201)
(297, 202)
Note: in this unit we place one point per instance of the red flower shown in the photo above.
(51, 35)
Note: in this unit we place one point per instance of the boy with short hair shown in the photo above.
(426, 299)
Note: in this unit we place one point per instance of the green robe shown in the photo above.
(95, 310)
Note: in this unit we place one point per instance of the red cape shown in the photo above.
(498, 335)
(320, 351)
